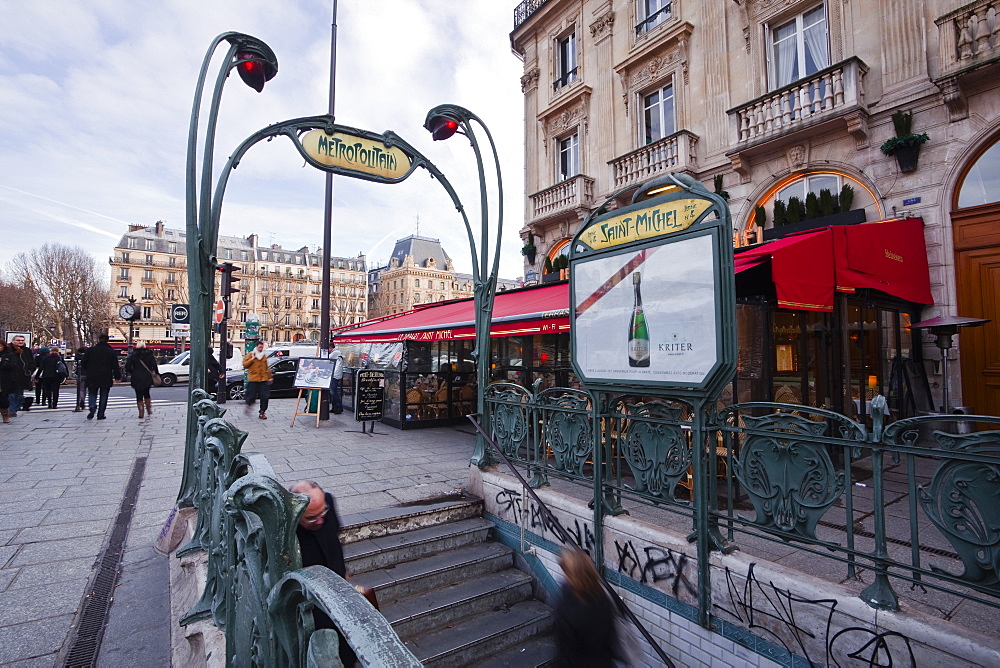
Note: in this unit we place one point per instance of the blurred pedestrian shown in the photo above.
(259, 379)
(81, 393)
(6, 382)
(584, 617)
(100, 367)
(141, 365)
(19, 363)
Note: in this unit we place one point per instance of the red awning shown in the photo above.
(808, 268)
(535, 310)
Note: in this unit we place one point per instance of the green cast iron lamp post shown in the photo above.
(256, 64)
(444, 121)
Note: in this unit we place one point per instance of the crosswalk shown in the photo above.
(67, 402)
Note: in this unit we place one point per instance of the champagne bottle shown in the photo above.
(638, 334)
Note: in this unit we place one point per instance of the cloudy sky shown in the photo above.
(95, 105)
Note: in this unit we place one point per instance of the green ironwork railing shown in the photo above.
(820, 481)
(256, 591)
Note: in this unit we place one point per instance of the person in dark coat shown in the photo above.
(212, 371)
(19, 363)
(5, 385)
(51, 373)
(39, 354)
(100, 367)
(584, 620)
(319, 542)
(141, 365)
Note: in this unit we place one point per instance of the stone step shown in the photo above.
(405, 517)
(451, 604)
(468, 642)
(535, 652)
(388, 550)
(408, 578)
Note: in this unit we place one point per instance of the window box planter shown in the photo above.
(852, 217)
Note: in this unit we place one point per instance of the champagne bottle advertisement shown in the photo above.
(648, 314)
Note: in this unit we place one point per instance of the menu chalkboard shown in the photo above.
(369, 394)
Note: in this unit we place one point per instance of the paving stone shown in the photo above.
(48, 532)
(48, 600)
(30, 577)
(33, 639)
(57, 550)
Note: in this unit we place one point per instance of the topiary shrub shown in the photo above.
(827, 205)
(812, 206)
(796, 210)
(780, 214)
(846, 197)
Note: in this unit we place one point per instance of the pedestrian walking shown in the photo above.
(81, 393)
(141, 365)
(39, 354)
(17, 361)
(584, 618)
(100, 367)
(51, 372)
(259, 379)
(6, 383)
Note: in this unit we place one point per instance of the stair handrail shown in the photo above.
(566, 538)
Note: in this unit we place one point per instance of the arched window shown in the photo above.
(800, 185)
(981, 184)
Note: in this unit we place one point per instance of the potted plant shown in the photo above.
(549, 273)
(528, 249)
(717, 182)
(906, 144)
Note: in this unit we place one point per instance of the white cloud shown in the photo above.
(97, 101)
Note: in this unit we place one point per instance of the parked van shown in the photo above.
(176, 370)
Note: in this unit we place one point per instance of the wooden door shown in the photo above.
(977, 277)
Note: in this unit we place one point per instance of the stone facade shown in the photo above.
(418, 272)
(767, 94)
(282, 287)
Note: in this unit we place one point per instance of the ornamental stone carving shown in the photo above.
(530, 80)
(601, 28)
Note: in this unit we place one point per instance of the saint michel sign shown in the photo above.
(652, 291)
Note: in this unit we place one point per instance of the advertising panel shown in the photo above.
(647, 315)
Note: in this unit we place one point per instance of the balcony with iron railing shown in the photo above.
(130, 262)
(832, 94)
(675, 153)
(524, 11)
(576, 192)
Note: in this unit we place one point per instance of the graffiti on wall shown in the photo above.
(512, 506)
(656, 565)
(780, 616)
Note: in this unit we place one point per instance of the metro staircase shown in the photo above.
(450, 591)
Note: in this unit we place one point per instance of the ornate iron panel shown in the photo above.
(510, 406)
(264, 548)
(567, 428)
(785, 468)
(655, 447)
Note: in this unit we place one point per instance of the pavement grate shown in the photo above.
(94, 615)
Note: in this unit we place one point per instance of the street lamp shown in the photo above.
(445, 121)
(256, 64)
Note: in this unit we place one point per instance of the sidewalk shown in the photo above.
(63, 479)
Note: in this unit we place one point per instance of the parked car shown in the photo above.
(283, 370)
(177, 370)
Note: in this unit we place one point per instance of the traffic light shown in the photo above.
(254, 69)
(229, 351)
(228, 287)
(442, 127)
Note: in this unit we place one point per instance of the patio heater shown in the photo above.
(944, 327)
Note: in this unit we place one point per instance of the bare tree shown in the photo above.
(71, 295)
(17, 307)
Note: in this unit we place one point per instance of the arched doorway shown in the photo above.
(975, 220)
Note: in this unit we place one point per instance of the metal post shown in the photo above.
(324, 300)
